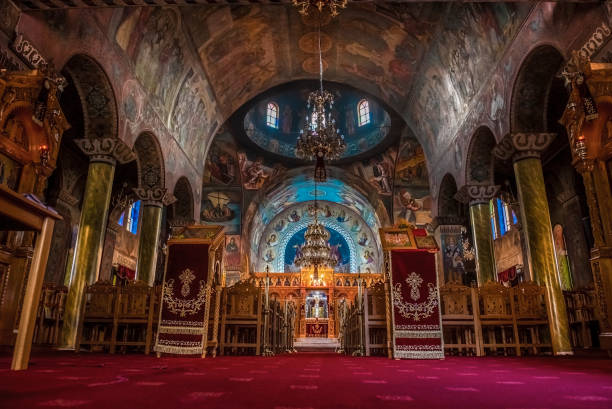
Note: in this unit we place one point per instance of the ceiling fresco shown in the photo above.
(425, 60)
(355, 242)
(292, 101)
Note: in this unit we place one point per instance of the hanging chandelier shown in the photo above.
(305, 6)
(316, 251)
(320, 140)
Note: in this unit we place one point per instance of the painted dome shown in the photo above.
(274, 120)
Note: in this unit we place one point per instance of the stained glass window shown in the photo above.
(492, 217)
(272, 115)
(501, 216)
(121, 219)
(363, 110)
(133, 216)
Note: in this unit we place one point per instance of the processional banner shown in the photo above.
(415, 312)
(185, 304)
(417, 333)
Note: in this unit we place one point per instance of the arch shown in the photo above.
(98, 102)
(272, 114)
(354, 230)
(480, 160)
(448, 206)
(183, 207)
(150, 161)
(528, 109)
(363, 112)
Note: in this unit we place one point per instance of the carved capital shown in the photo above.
(476, 194)
(519, 146)
(109, 150)
(154, 196)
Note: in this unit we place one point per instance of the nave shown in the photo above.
(197, 196)
(306, 381)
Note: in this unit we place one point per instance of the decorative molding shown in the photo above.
(107, 150)
(519, 146)
(151, 197)
(596, 41)
(476, 194)
(26, 50)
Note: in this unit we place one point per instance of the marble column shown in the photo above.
(478, 197)
(104, 153)
(153, 201)
(524, 149)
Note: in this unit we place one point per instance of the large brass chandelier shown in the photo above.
(320, 140)
(305, 6)
(316, 251)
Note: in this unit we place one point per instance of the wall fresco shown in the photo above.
(222, 206)
(412, 201)
(355, 242)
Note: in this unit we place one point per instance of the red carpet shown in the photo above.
(61, 380)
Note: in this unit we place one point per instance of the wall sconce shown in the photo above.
(44, 154)
(580, 147)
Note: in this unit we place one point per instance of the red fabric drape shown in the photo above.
(416, 312)
(184, 300)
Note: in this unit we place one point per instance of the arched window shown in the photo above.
(272, 115)
(133, 216)
(363, 112)
(502, 217)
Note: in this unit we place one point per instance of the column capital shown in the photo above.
(154, 196)
(518, 146)
(109, 150)
(476, 194)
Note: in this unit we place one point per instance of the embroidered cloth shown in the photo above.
(417, 333)
(185, 306)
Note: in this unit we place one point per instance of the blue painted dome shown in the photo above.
(274, 120)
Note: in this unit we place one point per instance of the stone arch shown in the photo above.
(479, 161)
(182, 209)
(448, 206)
(528, 110)
(98, 102)
(150, 161)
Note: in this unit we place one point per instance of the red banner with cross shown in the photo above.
(417, 333)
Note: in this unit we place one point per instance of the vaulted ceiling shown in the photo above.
(426, 60)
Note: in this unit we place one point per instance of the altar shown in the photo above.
(317, 328)
(316, 299)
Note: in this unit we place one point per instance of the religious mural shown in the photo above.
(563, 263)
(232, 252)
(222, 207)
(222, 162)
(459, 62)
(351, 238)
(388, 59)
(255, 173)
(412, 199)
(378, 171)
(292, 116)
(154, 41)
(193, 118)
(237, 70)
